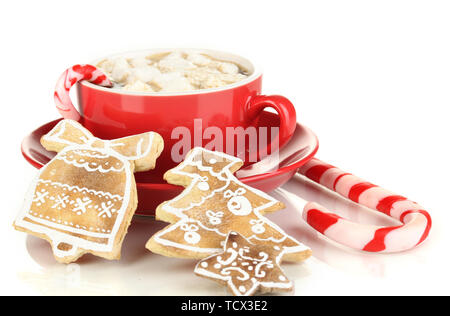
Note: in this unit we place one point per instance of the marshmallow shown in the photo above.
(232, 78)
(174, 55)
(175, 64)
(197, 76)
(212, 82)
(138, 62)
(106, 65)
(121, 70)
(198, 59)
(173, 82)
(138, 86)
(228, 68)
(146, 73)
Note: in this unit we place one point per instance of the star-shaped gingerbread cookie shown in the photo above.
(246, 268)
(214, 203)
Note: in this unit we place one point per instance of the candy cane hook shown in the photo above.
(71, 76)
(416, 221)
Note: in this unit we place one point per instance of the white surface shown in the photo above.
(370, 78)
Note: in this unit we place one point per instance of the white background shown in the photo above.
(371, 78)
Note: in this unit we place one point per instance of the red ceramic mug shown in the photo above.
(112, 113)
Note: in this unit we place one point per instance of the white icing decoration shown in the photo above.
(233, 256)
(257, 226)
(61, 201)
(40, 196)
(106, 210)
(264, 256)
(238, 204)
(159, 237)
(89, 153)
(214, 217)
(190, 235)
(189, 227)
(81, 205)
(89, 166)
(244, 275)
(79, 189)
(203, 186)
(258, 272)
(228, 193)
(139, 147)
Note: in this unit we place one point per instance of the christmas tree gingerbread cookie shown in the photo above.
(246, 268)
(214, 203)
(83, 200)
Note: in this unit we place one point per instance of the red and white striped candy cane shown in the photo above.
(71, 76)
(416, 221)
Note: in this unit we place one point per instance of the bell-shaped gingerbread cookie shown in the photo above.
(83, 200)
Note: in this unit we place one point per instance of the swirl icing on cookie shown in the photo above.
(245, 267)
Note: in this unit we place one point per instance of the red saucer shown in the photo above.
(265, 175)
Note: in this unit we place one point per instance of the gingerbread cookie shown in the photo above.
(83, 200)
(245, 267)
(214, 203)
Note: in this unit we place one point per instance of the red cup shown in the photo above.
(112, 113)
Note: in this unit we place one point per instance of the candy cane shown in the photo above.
(71, 76)
(416, 221)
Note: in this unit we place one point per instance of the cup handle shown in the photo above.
(68, 78)
(286, 112)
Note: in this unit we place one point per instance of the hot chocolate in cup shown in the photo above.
(222, 118)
